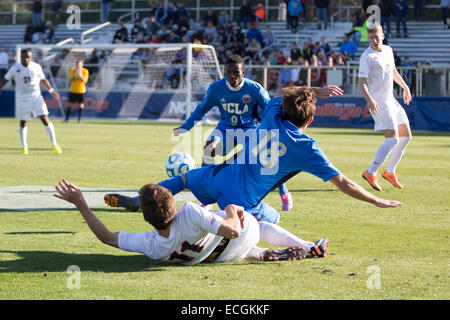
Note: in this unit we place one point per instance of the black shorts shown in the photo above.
(76, 97)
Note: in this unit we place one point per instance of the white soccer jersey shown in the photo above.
(378, 68)
(28, 79)
(192, 238)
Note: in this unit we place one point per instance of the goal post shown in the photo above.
(147, 78)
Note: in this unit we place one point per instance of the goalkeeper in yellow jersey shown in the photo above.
(78, 77)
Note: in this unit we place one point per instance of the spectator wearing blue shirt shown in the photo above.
(295, 9)
(349, 47)
(106, 6)
(401, 13)
(161, 13)
(255, 33)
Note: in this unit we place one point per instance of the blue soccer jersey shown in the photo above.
(276, 152)
(238, 106)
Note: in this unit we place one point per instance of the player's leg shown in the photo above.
(69, 107)
(264, 212)
(80, 106)
(214, 146)
(385, 122)
(50, 129)
(23, 134)
(404, 137)
(286, 197)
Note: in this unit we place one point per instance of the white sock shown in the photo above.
(382, 154)
(397, 154)
(255, 252)
(51, 133)
(278, 236)
(23, 133)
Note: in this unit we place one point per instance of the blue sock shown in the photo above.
(283, 189)
(174, 184)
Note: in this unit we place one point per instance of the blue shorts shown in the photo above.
(205, 188)
(229, 137)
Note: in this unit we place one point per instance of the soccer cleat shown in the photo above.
(117, 200)
(25, 150)
(321, 248)
(392, 178)
(57, 149)
(372, 180)
(286, 199)
(288, 254)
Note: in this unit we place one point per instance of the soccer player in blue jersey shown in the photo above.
(238, 100)
(247, 183)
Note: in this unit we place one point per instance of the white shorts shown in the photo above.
(29, 107)
(238, 249)
(389, 118)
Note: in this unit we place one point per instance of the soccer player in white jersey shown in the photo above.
(192, 234)
(29, 75)
(377, 73)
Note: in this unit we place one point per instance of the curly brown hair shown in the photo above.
(158, 205)
(299, 105)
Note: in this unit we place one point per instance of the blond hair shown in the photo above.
(374, 27)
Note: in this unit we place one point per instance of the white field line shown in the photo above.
(40, 198)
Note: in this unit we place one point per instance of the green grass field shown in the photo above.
(407, 245)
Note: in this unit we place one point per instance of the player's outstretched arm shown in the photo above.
(351, 188)
(328, 91)
(71, 193)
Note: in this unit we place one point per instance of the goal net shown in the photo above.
(132, 81)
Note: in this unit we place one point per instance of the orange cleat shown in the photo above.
(392, 178)
(372, 180)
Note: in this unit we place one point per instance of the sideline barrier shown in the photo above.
(424, 113)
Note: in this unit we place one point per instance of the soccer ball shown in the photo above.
(178, 163)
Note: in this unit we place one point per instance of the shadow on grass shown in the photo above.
(51, 261)
(370, 132)
(36, 210)
(41, 232)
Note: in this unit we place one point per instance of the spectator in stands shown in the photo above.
(56, 6)
(285, 6)
(171, 12)
(4, 62)
(210, 34)
(163, 34)
(321, 57)
(418, 4)
(245, 14)
(366, 4)
(183, 26)
(228, 34)
(260, 12)
(238, 34)
(401, 13)
(36, 12)
(39, 33)
(236, 48)
(316, 49)
(223, 19)
(349, 47)
(386, 10)
(316, 72)
(173, 38)
(154, 38)
(281, 58)
(150, 24)
(136, 30)
(303, 76)
(295, 52)
(49, 33)
(253, 49)
(268, 37)
(181, 11)
(121, 34)
(306, 51)
(221, 54)
(160, 13)
(106, 7)
(322, 12)
(255, 33)
(303, 15)
(285, 75)
(445, 6)
(29, 30)
(407, 74)
(325, 46)
(294, 9)
(197, 35)
(92, 66)
(210, 17)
